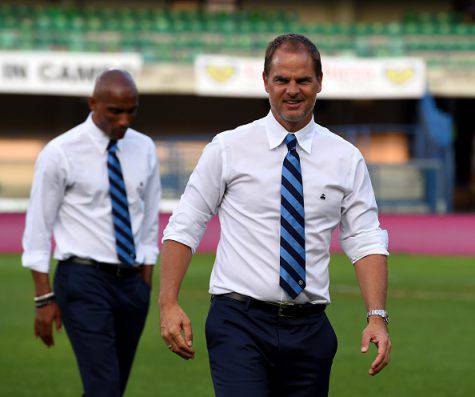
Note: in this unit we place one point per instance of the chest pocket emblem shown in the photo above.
(323, 197)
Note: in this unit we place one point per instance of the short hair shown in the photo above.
(294, 41)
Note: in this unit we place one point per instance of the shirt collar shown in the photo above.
(100, 139)
(276, 133)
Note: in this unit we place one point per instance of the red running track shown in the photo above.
(415, 234)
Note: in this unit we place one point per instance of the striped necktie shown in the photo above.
(124, 239)
(292, 223)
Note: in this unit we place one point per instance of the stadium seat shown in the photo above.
(103, 27)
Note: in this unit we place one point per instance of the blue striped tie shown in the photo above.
(124, 239)
(292, 223)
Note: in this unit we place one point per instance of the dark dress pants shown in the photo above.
(104, 316)
(254, 353)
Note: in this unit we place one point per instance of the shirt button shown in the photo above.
(300, 282)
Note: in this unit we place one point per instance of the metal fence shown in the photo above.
(416, 186)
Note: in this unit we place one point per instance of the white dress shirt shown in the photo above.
(239, 176)
(70, 195)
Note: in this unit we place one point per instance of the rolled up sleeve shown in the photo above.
(47, 193)
(201, 199)
(360, 232)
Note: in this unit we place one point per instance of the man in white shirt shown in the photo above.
(280, 186)
(97, 187)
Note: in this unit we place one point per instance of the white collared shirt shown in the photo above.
(239, 177)
(70, 195)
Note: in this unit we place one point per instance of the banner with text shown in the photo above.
(59, 73)
(343, 78)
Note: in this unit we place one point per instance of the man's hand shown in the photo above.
(44, 323)
(377, 333)
(175, 327)
(146, 274)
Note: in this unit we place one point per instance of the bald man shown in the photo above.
(97, 188)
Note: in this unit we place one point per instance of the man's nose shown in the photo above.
(124, 120)
(293, 88)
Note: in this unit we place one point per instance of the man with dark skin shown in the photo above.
(97, 188)
(267, 332)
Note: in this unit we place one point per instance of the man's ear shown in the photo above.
(92, 103)
(319, 80)
(266, 81)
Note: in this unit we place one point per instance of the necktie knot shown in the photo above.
(112, 146)
(291, 141)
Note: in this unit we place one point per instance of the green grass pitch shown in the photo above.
(431, 303)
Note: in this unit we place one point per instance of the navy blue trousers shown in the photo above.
(104, 317)
(254, 353)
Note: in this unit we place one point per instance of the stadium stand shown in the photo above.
(410, 151)
(165, 35)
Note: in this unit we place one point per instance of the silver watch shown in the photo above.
(380, 313)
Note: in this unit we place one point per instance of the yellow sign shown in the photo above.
(399, 76)
(220, 74)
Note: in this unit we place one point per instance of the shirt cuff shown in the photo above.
(366, 243)
(38, 261)
(186, 229)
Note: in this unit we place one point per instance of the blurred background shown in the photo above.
(399, 83)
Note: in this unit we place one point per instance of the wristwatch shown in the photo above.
(380, 313)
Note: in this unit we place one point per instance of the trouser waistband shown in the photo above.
(279, 309)
(118, 270)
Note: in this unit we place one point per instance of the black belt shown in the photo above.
(279, 309)
(120, 271)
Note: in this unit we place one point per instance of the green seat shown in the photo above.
(362, 48)
(8, 40)
(464, 46)
(363, 29)
(463, 29)
(279, 27)
(60, 23)
(43, 41)
(444, 29)
(161, 25)
(411, 29)
(77, 24)
(394, 29)
(128, 24)
(245, 27)
(180, 26)
(26, 43)
(428, 29)
(76, 43)
(25, 26)
(196, 25)
(94, 24)
(112, 24)
(93, 46)
(261, 26)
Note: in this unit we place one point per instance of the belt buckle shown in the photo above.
(282, 309)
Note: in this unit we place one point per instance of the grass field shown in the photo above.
(431, 302)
